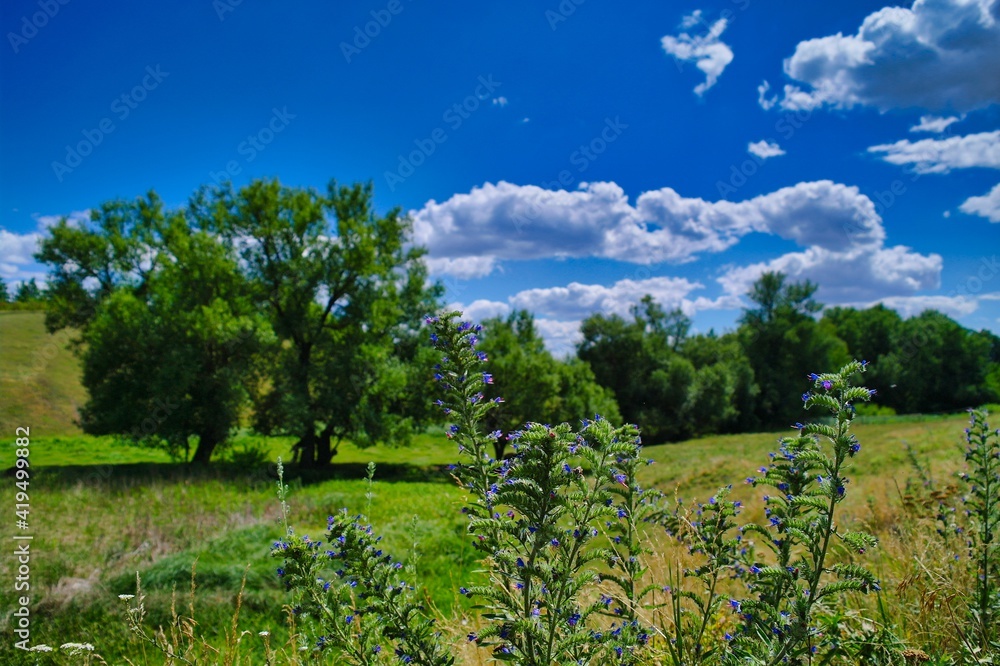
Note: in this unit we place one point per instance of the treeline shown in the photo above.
(297, 312)
(27, 295)
(678, 385)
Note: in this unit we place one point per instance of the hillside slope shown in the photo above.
(39, 377)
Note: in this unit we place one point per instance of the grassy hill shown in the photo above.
(102, 511)
(39, 377)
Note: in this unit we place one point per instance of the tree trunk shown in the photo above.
(499, 446)
(305, 449)
(324, 452)
(206, 445)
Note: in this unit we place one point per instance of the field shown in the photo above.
(102, 511)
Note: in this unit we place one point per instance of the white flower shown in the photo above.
(264, 633)
(77, 647)
(39, 648)
(126, 597)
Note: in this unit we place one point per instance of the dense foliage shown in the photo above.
(296, 312)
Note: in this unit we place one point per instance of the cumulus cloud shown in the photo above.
(934, 124)
(936, 54)
(469, 234)
(860, 274)
(987, 206)
(576, 300)
(764, 149)
(943, 155)
(710, 54)
(560, 310)
(17, 262)
(910, 306)
(16, 250)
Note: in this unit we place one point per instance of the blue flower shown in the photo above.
(487, 378)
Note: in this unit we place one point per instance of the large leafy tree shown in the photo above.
(783, 341)
(639, 360)
(535, 385)
(170, 335)
(342, 288)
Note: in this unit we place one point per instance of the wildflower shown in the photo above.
(827, 385)
(573, 619)
(487, 378)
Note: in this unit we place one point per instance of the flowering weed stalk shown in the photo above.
(355, 596)
(710, 534)
(779, 621)
(536, 517)
(982, 508)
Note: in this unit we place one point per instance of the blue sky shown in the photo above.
(567, 157)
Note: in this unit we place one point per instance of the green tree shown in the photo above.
(782, 340)
(341, 287)
(536, 386)
(4, 293)
(639, 362)
(174, 363)
(87, 263)
(937, 365)
(27, 292)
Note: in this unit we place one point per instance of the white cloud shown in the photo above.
(765, 102)
(481, 309)
(561, 337)
(858, 274)
(16, 261)
(707, 51)
(576, 300)
(469, 234)
(987, 206)
(560, 310)
(75, 219)
(500, 101)
(937, 54)
(764, 149)
(943, 155)
(935, 124)
(910, 306)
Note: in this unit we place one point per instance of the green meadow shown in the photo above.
(102, 512)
